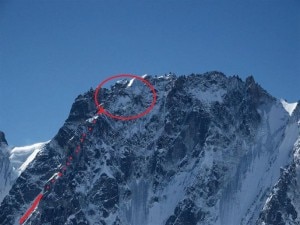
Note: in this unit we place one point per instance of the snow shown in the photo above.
(12, 165)
(90, 120)
(276, 118)
(6, 176)
(289, 107)
(254, 165)
(141, 210)
(259, 168)
(21, 157)
(208, 96)
(130, 82)
(168, 199)
(136, 87)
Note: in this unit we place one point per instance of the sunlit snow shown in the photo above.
(20, 157)
(289, 107)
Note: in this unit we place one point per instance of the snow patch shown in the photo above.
(208, 96)
(21, 157)
(130, 82)
(289, 107)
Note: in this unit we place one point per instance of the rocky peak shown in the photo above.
(256, 93)
(2, 138)
(82, 107)
(250, 81)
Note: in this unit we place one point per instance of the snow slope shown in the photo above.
(259, 169)
(13, 161)
(289, 107)
(20, 157)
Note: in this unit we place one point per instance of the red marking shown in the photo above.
(90, 129)
(59, 174)
(70, 157)
(83, 135)
(30, 210)
(53, 180)
(94, 121)
(68, 164)
(101, 110)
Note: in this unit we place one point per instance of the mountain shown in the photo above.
(283, 203)
(13, 161)
(6, 172)
(215, 150)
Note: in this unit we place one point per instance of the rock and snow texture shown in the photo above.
(215, 150)
(282, 206)
(6, 172)
(20, 157)
(13, 161)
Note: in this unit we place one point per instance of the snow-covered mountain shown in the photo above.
(6, 172)
(215, 150)
(13, 161)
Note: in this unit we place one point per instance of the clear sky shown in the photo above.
(51, 51)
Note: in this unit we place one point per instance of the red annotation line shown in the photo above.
(31, 209)
(57, 175)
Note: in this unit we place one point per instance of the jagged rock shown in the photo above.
(2, 139)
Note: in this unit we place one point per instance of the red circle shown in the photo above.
(102, 110)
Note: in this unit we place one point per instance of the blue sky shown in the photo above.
(51, 51)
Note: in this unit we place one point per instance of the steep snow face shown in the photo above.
(289, 107)
(7, 175)
(207, 154)
(20, 157)
(282, 205)
(259, 169)
(13, 161)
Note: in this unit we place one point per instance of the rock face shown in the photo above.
(2, 138)
(215, 150)
(283, 204)
(6, 171)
